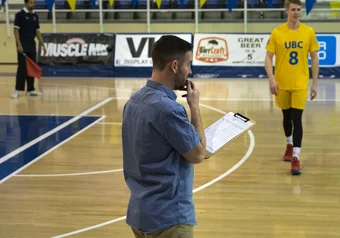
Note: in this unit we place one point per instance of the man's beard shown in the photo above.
(180, 83)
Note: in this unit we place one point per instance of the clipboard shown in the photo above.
(225, 130)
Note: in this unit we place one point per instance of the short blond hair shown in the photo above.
(297, 2)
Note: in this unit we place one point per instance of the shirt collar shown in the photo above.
(170, 93)
(26, 10)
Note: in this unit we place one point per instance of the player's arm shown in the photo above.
(268, 63)
(313, 49)
(269, 69)
(315, 73)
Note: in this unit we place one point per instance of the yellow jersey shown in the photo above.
(291, 50)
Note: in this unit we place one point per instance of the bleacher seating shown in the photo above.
(212, 4)
(162, 16)
(165, 16)
(230, 16)
(185, 16)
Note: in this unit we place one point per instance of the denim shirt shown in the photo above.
(155, 133)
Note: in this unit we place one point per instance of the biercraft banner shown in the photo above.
(229, 49)
(134, 50)
(76, 49)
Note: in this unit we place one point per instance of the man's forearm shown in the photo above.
(17, 38)
(41, 40)
(196, 121)
(315, 70)
(269, 67)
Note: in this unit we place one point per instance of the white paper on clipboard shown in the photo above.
(224, 130)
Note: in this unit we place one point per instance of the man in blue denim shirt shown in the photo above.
(160, 146)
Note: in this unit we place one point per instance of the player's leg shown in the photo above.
(299, 99)
(283, 101)
(288, 128)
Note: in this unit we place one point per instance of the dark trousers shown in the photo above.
(22, 73)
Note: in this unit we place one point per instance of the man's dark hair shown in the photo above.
(297, 2)
(169, 48)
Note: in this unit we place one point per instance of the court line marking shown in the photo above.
(76, 174)
(50, 150)
(73, 85)
(245, 157)
(110, 123)
(240, 99)
(214, 99)
(47, 115)
(58, 128)
(201, 99)
(71, 174)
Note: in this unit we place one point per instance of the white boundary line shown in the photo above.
(110, 123)
(91, 227)
(242, 99)
(201, 99)
(50, 150)
(236, 166)
(47, 134)
(46, 115)
(72, 174)
(76, 174)
(245, 157)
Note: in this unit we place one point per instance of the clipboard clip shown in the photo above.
(243, 118)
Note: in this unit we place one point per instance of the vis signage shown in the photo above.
(134, 50)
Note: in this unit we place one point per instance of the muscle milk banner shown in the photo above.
(77, 49)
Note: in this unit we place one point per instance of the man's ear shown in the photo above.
(174, 66)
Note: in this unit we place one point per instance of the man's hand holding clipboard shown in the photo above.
(225, 130)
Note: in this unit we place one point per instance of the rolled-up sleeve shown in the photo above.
(179, 132)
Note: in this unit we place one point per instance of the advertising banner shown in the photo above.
(329, 46)
(229, 49)
(250, 49)
(134, 50)
(215, 55)
(77, 49)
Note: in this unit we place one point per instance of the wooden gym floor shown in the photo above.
(61, 163)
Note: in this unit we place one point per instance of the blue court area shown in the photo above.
(16, 131)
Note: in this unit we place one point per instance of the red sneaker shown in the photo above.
(288, 156)
(296, 170)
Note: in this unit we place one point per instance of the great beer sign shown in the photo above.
(251, 42)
